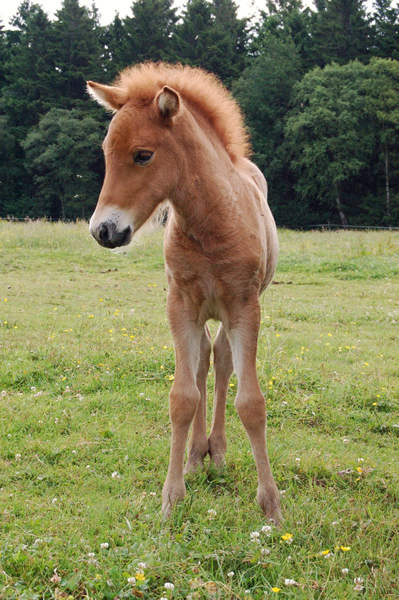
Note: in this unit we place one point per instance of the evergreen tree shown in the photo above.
(341, 31)
(3, 55)
(29, 69)
(232, 40)
(264, 92)
(386, 29)
(211, 36)
(78, 53)
(149, 32)
(26, 93)
(116, 48)
(286, 20)
(195, 34)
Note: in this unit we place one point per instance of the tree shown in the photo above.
(287, 21)
(341, 31)
(386, 29)
(116, 47)
(78, 53)
(29, 70)
(194, 35)
(330, 137)
(231, 39)
(149, 32)
(383, 103)
(64, 158)
(26, 93)
(264, 92)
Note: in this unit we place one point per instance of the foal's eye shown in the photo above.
(142, 157)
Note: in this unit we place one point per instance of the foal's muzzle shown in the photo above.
(109, 236)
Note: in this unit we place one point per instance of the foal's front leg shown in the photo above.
(184, 396)
(250, 403)
(199, 442)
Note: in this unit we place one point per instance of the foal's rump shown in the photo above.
(250, 171)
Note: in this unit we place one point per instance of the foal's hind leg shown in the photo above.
(223, 370)
(199, 443)
(250, 402)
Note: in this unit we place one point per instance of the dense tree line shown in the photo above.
(319, 89)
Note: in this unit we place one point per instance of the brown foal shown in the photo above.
(177, 134)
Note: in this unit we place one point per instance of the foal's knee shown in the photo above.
(251, 409)
(183, 403)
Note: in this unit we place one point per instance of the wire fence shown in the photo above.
(317, 226)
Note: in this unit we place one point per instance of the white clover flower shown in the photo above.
(115, 475)
(18, 456)
(104, 545)
(212, 513)
(266, 529)
(265, 551)
(358, 587)
(142, 565)
(131, 580)
(254, 535)
(91, 555)
(290, 582)
(169, 586)
(230, 574)
(55, 578)
(344, 571)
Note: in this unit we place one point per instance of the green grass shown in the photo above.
(85, 360)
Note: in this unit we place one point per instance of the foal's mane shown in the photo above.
(199, 88)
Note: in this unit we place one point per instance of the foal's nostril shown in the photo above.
(103, 232)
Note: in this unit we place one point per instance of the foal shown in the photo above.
(177, 134)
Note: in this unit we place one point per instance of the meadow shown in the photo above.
(86, 363)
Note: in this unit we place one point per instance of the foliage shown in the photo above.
(322, 132)
(264, 91)
(45, 62)
(66, 187)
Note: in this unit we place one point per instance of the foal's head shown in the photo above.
(141, 161)
(152, 137)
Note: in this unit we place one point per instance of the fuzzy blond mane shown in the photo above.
(203, 90)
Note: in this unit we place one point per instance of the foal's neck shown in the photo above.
(204, 199)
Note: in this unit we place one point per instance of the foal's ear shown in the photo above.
(168, 102)
(113, 98)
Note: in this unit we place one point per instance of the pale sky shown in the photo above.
(108, 9)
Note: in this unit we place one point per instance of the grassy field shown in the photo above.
(86, 360)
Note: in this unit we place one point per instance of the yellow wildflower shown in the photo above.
(276, 590)
(345, 548)
(287, 537)
(140, 576)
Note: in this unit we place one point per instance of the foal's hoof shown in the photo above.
(269, 501)
(195, 461)
(217, 451)
(170, 495)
